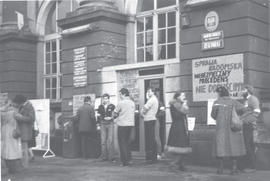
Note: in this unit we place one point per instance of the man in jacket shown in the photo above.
(125, 111)
(105, 111)
(25, 118)
(86, 120)
(149, 112)
(250, 118)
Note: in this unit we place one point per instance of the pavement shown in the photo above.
(62, 169)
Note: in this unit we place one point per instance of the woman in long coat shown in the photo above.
(227, 143)
(178, 141)
(10, 146)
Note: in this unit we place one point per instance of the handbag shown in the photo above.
(16, 133)
(236, 122)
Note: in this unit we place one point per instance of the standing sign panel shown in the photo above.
(80, 67)
(211, 72)
(42, 111)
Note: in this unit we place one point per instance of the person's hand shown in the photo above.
(107, 118)
(17, 116)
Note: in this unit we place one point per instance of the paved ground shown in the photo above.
(59, 169)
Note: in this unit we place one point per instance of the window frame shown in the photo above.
(57, 38)
(154, 13)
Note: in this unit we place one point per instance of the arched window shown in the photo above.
(157, 30)
(52, 49)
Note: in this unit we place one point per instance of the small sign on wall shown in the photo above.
(211, 72)
(80, 67)
(214, 39)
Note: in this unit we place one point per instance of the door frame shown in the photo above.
(141, 84)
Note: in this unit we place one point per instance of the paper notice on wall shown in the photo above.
(211, 72)
(42, 122)
(210, 120)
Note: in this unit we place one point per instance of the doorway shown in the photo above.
(157, 82)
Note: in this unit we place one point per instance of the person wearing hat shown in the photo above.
(250, 118)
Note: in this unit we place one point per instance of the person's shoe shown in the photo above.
(159, 157)
(182, 168)
(32, 159)
(150, 162)
(113, 160)
(234, 172)
(102, 159)
(249, 170)
(125, 164)
(219, 171)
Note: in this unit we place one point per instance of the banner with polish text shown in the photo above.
(211, 72)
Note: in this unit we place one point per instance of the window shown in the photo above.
(52, 76)
(52, 49)
(157, 30)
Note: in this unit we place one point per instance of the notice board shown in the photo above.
(211, 72)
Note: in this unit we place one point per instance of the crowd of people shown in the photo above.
(18, 133)
(235, 144)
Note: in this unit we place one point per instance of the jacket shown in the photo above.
(85, 118)
(105, 113)
(26, 119)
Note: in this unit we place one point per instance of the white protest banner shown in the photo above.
(211, 72)
(42, 111)
(210, 120)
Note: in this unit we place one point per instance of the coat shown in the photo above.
(178, 139)
(85, 118)
(226, 142)
(26, 119)
(10, 147)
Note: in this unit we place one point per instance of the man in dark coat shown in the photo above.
(250, 118)
(25, 118)
(86, 120)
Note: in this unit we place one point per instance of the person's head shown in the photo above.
(222, 92)
(124, 93)
(106, 98)
(248, 90)
(181, 96)
(19, 100)
(150, 92)
(87, 99)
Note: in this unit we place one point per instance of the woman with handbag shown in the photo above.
(178, 141)
(228, 140)
(11, 143)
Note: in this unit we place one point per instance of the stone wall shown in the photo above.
(18, 63)
(106, 46)
(246, 30)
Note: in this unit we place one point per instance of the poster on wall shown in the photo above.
(80, 67)
(78, 101)
(211, 72)
(42, 123)
(210, 120)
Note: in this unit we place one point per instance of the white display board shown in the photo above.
(42, 111)
(210, 120)
(211, 72)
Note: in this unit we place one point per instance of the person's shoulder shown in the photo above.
(111, 105)
(254, 98)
